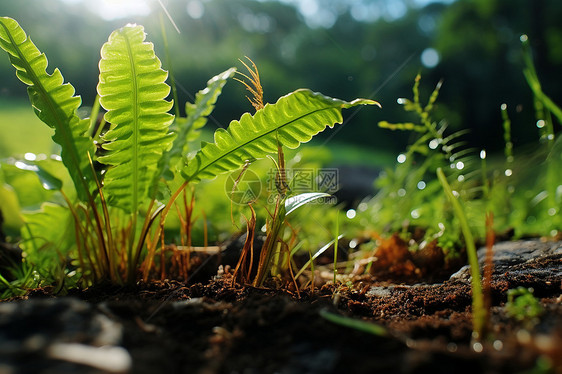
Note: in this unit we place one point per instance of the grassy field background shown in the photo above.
(21, 131)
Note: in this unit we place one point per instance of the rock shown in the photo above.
(522, 263)
(59, 335)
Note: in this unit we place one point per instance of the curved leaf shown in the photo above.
(48, 180)
(294, 119)
(132, 89)
(294, 202)
(42, 244)
(54, 103)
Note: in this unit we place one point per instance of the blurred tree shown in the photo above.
(481, 63)
(70, 35)
(343, 48)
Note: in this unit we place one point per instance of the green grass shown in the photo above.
(21, 130)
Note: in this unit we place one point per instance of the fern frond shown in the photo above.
(132, 89)
(54, 103)
(189, 128)
(198, 112)
(292, 120)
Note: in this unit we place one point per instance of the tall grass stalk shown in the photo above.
(336, 248)
(479, 313)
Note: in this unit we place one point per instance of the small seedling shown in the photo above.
(523, 306)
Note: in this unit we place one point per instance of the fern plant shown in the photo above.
(116, 206)
(409, 195)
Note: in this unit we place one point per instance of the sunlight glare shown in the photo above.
(115, 9)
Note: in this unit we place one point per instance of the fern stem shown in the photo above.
(165, 212)
(267, 249)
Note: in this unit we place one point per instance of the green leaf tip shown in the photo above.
(54, 102)
(364, 102)
(294, 119)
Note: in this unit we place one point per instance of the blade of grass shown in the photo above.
(318, 253)
(479, 313)
(336, 247)
(356, 324)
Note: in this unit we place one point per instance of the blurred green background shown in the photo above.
(342, 48)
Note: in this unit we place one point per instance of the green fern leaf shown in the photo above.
(293, 119)
(132, 89)
(205, 100)
(189, 128)
(54, 103)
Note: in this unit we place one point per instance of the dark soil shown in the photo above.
(214, 327)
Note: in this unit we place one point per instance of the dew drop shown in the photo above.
(540, 123)
(508, 172)
(401, 158)
(351, 213)
(483, 154)
(421, 185)
(477, 347)
(434, 143)
(30, 156)
(401, 192)
(415, 214)
(430, 58)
